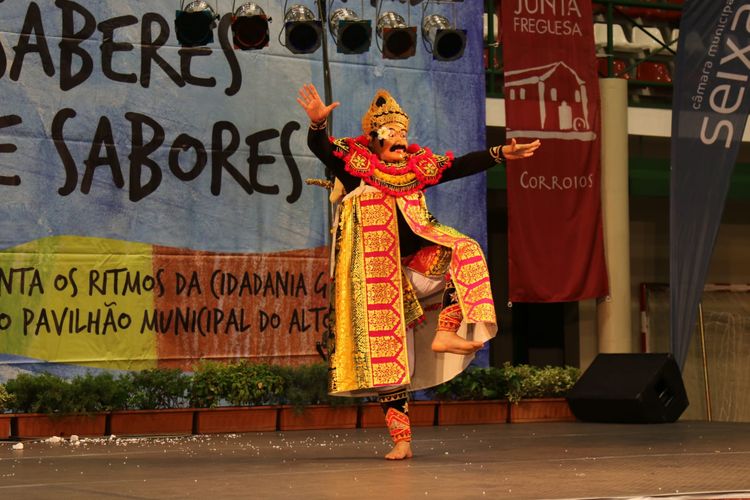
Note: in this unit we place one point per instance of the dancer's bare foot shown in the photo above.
(451, 342)
(400, 451)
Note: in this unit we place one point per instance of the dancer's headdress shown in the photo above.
(383, 109)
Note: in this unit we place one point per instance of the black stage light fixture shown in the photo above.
(352, 35)
(399, 40)
(303, 31)
(250, 27)
(447, 43)
(195, 24)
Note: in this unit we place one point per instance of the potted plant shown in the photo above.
(48, 405)
(476, 396)
(538, 394)
(237, 397)
(308, 405)
(4, 418)
(156, 404)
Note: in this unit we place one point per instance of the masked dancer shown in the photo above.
(396, 270)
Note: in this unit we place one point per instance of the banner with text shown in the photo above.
(153, 209)
(710, 109)
(555, 243)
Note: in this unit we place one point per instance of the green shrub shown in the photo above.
(308, 385)
(47, 393)
(158, 388)
(40, 393)
(509, 382)
(475, 384)
(254, 384)
(516, 377)
(533, 382)
(5, 399)
(101, 392)
(238, 384)
(208, 385)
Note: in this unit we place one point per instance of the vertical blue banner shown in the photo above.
(710, 108)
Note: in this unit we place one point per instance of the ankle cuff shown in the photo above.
(398, 424)
(450, 318)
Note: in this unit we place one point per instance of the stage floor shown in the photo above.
(514, 461)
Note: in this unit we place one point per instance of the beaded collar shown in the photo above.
(420, 169)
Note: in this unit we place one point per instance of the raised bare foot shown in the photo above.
(400, 451)
(451, 342)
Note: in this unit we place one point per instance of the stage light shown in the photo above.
(352, 35)
(447, 43)
(250, 27)
(195, 23)
(303, 30)
(399, 40)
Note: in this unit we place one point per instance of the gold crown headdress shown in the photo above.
(383, 109)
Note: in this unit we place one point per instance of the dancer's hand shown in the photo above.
(515, 151)
(313, 105)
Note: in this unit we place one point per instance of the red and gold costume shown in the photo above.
(383, 221)
(385, 241)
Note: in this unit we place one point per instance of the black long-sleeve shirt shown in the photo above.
(463, 166)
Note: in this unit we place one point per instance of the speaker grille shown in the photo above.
(629, 388)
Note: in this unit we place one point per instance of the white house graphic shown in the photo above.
(562, 98)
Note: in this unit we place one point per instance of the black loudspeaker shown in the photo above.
(629, 388)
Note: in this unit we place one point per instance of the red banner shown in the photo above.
(556, 250)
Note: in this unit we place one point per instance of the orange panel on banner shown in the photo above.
(268, 307)
(556, 249)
